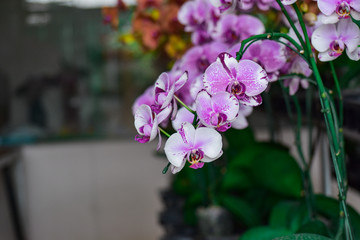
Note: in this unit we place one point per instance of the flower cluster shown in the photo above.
(215, 90)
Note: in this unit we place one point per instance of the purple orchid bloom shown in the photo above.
(146, 123)
(296, 64)
(164, 90)
(197, 146)
(218, 110)
(263, 5)
(146, 98)
(240, 121)
(199, 17)
(232, 28)
(244, 79)
(334, 10)
(268, 54)
(183, 115)
(197, 59)
(354, 55)
(332, 39)
(223, 5)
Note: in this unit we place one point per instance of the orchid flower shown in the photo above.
(164, 91)
(198, 58)
(232, 28)
(334, 10)
(263, 5)
(222, 5)
(218, 110)
(268, 54)
(197, 146)
(332, 39)
(183, 115)
(245, 79)
(146, 98)
(146, 123)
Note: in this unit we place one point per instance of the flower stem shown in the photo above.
(335, 147)
(266, 36)
(164, 132)
(291, 22)
(184, 105)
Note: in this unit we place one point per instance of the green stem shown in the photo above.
(308, 192)
(166, 168)
(184, 105)
(266, 36)
(335, 148)
(309, 96)
(164, 132)
(291, 75)
(338, 91)
(291, 23)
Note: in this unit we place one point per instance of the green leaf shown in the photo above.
(278, 171)
(316, 227)
(303, 236)
(241, 210)
(235, 181)
(288, 214)
(264, 233)
(240, 139)
(191, 203)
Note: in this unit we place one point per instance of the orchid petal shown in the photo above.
(143, 116)
(224, 102)
(354, 55)
(216, 79)
(187, 132)
(181, 81)
(323, 36)
(240, 122)
(204, 107)
(207, 159)
(176, 150)
(209, 141)
(350, 33)
(175, 169)
(253, 76)
(327, 7)
(355, 14)
(251, 100)
(183, 115)
(325, 56)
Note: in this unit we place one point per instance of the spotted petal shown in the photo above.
(176, 150)
(253, 76)
(209, 141)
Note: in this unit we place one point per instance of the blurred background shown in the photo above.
(69, 166)
(69, 74)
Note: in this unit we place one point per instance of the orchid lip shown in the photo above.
(194, 158)
(337, 47)
(343, 10)
(237, 89)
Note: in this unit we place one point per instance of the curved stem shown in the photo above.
(290, 75)
(336, 151)
(164, 132)
(184, 105)
(266, 36)
(283, 9)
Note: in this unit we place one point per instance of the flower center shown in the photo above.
(343, 10)
(230, 36)
(202, 64)
(237, 89)
(337, 48)
(220, 121)
(195, 157)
